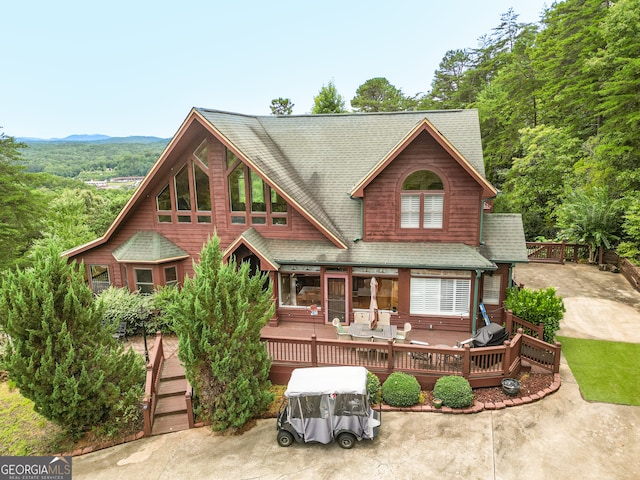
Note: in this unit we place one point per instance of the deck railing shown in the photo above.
(154, 367)
(513, 323)
(554, 252)
(483, 367)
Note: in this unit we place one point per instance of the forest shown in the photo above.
(94, 160)
(559, 106)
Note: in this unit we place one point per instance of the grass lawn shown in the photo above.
(23, 431)
(605, 371)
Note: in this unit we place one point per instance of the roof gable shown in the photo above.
(424, 126)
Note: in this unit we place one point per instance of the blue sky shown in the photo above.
(136, 67)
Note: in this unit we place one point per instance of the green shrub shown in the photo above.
(401, 390)
(537, 306)
(630, 251)
(373, 388)
(454, 391)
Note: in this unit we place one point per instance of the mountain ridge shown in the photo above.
(93, 138)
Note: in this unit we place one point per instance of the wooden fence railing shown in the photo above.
(513, 323)
(483, 367)
(154, 367)
(553, 252)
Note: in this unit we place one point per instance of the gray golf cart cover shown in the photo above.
(324, 401)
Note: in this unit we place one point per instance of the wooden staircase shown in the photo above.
(171, 405)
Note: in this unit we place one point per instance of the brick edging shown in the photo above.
(478, 407)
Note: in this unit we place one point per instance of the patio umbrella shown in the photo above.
(373, 307)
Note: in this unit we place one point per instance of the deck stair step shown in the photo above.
(171, 407)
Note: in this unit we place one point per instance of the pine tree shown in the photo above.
(59, 356)
(218, 316)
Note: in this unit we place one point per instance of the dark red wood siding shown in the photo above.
(462, 200)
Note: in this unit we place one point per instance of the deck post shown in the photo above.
(146, 414)
(506, 361)
(556, 357)
(390, 356)
(314, 350)
(466, 361)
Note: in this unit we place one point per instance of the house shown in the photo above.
(324, 203)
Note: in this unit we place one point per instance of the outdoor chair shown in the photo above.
(380, 352)
(421, 358)
(341, 333)
(362, 338)
(121, 332)
(403, 336)
(384, 318)
(361, 317)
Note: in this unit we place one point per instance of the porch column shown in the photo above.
(474, 311)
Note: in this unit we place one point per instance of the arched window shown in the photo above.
(422, 201)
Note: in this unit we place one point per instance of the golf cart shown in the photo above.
(323, 404)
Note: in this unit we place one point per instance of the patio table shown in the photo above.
(385, 331)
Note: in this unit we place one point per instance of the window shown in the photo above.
(264, 206)
(202, 153)
(433, 295)
(491, 289)
(191, 190)
(183, 197)
(300, 289)
(387, 297)
(144, 280)
(422, 201)
(100, 280)
(170, 276)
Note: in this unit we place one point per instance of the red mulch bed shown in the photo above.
(529, 383)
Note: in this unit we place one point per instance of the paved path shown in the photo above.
(560, 437)
(600, 305)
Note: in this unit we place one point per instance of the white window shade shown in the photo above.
(491, 289)
(410, 217)
(440, 296)
(433, 207)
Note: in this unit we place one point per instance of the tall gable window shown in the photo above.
(422, 201)
(190, 190)
(251, 200)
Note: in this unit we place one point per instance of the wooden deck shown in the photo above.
(168, 399)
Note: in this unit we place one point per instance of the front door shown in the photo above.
(336, 299)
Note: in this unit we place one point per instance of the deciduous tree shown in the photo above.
(328, 100)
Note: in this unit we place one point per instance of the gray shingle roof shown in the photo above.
(148, 247)
(317, 160)
(378, 254)
(504, 240)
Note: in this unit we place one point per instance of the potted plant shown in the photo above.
(437, 402)
(510, 386)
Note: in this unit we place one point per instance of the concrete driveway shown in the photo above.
(560, 437)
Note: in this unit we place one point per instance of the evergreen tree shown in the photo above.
(565, 48)
(378, 95)
(218, 316)
(20, 206)
(618, 150)
(59, 356)
(281, 106)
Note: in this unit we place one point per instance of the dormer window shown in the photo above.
(422, 201)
